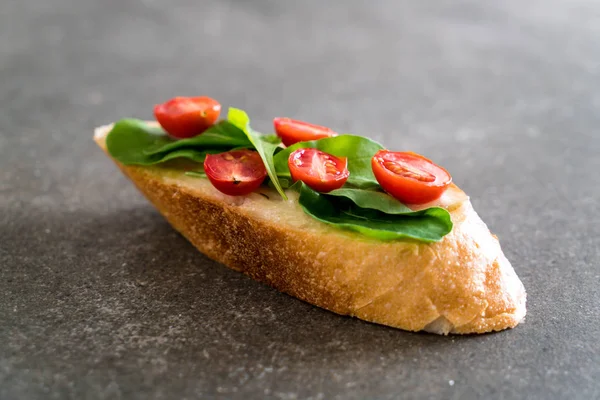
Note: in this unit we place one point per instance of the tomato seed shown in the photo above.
(408, 171)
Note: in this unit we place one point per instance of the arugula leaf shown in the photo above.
(357, 149)
(263, 146)
(341, 210)
(132, 141)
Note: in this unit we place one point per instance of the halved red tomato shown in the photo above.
(292, 131)
(236, 172)
(409, 177)
(319, 170)
(186, 117)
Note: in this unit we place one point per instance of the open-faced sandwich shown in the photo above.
(333, 219)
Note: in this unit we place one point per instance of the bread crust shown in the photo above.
(462, 284)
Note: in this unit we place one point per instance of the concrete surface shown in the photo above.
(101, 299)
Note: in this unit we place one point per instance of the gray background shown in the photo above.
(101, 299)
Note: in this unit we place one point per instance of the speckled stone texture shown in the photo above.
(101, 299)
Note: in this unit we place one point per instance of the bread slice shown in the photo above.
(462, 284)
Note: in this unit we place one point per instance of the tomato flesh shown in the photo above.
(186, 117)
(292, 131)
(236, 172)
(410, 177)
(321, 171)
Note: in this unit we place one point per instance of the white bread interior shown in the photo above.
(462, 284)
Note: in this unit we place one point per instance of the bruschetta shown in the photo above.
(335, 220)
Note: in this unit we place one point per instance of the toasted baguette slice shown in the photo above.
(462, 284)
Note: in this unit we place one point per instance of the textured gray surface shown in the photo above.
(100, 299)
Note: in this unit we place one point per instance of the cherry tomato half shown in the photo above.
(236, 172)
(409, 177)
(292, 131)
(319, 170)
(186, 117)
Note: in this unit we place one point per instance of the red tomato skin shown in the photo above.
(310, 177)
(292, 131)
(235, 177)
(422, 182)
(186, 117)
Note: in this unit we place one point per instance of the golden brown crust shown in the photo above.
(462, 284)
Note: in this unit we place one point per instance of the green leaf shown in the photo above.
(128, 140)
(265, 148)
(340, 210)
(357, 149)
(221, 135)
(196, 174)
(372, 199)
(272, 139)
